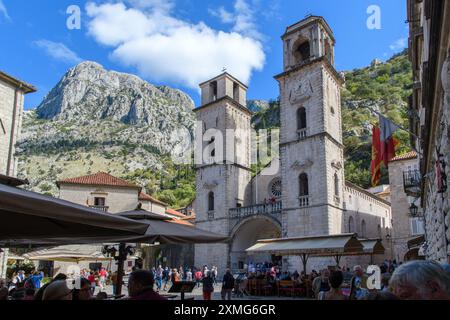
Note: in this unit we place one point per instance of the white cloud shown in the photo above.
(224, 15)
(400, 44)
(156, 5)
(164, 48)
(58, 51)
(243, 18)
(3, 10)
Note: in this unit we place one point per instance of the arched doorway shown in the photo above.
(246, 234)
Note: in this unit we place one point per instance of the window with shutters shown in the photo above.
(417, 227)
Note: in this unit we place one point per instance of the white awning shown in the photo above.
(328, 245)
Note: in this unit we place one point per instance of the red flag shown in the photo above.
(377, 160)
(388, 141)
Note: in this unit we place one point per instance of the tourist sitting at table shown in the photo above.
(321, 283)
(84, 293)
(334, 293)
(57, 290)
(140, 286)
(285, 276)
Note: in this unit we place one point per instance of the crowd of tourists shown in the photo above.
(413, 280)
(417, 280)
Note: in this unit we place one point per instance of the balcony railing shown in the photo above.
(301, 134)
(412, 182)
(272, 208)
(303, 201)
(102, 208)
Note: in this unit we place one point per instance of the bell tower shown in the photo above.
(311, 149)
(223, 154)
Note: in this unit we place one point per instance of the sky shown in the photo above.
(181, 43)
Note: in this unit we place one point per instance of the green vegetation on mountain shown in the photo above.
(63, 139)
(384, 87)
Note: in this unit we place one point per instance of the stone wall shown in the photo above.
(117, 199)
(7, 93)
(401, 219)
(437, 205)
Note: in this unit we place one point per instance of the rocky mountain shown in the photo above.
(99, 120)
(95, 119)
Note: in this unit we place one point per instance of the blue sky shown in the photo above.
(183, 42)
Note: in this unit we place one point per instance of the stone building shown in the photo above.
(305, 184)
(12, 96)
(407, 224)
(429, 51)
(105, 192)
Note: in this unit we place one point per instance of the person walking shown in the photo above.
(214, 274)
(189, 277)
(36, 279)
(227, 285)
(358, 284)
(166, 277)
(208, 286)
(158, 278)
(198, 277)
(114, 282)
(91, 279)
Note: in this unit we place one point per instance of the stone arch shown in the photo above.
(301, 50)
(363, 229)
(303, 185)
(301, 118)
(351, 225)
(211, 199)
(246, 233)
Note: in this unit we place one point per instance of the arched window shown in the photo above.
(211, 201)
(301, 118)
(213, 90)
(363, 229)
(351, 225)
(303, 185)
(302, 52)
(336, 185)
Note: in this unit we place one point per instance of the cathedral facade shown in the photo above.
(303, 191)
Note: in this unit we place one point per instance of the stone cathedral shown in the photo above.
(307, 190)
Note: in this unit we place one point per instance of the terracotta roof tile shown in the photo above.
(145, 197)
(183, 222)
(405, 156)
(175, 213)
(98, 179)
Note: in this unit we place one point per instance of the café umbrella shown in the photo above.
(31, 218)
